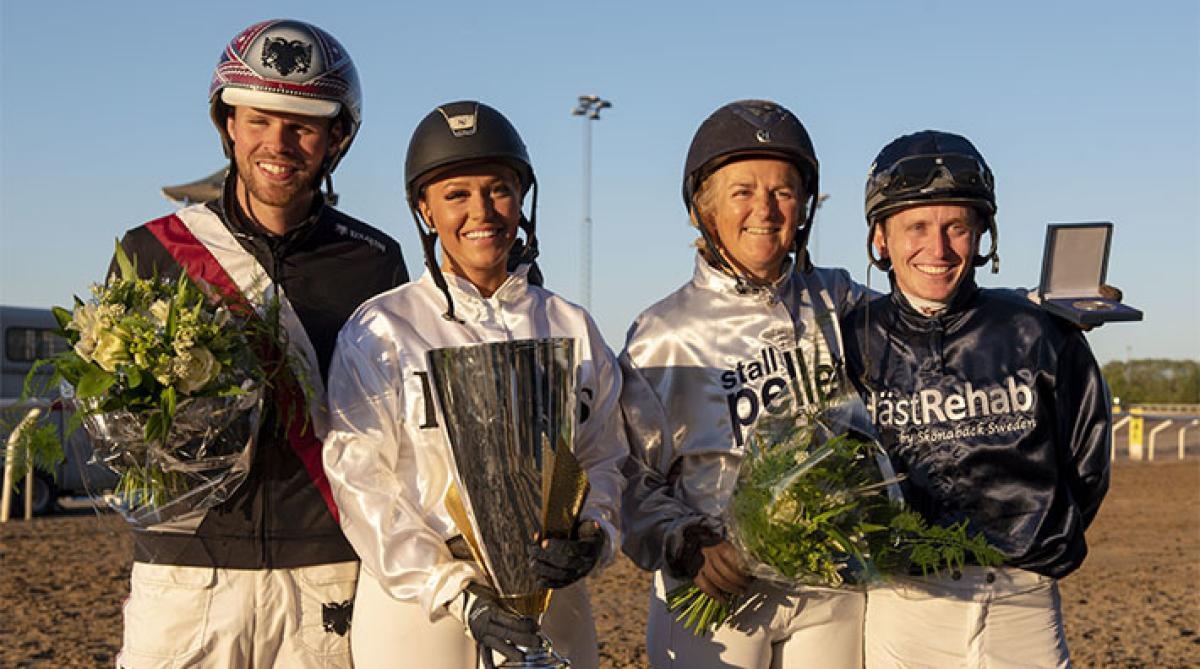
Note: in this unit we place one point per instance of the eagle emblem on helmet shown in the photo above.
(286, 56)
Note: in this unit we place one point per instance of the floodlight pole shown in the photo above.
(589, 107)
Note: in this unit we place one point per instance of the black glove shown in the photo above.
(495, 628)
(683, 556)
(558, 563)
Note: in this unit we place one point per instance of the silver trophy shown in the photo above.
(509, 410)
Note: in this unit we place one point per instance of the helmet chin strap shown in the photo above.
(713, 251)
(746, 284)
(331, 198)
(429, 237)
(800, 243)
(429, 247)
(885, 264)
(994, 252)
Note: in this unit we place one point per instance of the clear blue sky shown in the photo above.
(1085, 110)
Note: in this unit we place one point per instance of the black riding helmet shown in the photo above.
(752, 129)
(459, 133)
(463, 132)
(930, 167)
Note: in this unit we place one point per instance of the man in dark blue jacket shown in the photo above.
(995, 412)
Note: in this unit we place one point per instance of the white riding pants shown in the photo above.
(389, 633)
(252, 619)
(985, 618)
(782, 628)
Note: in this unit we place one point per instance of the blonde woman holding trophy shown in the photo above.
(422, 599)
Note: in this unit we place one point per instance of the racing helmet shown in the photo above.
(930, 167)
(287, 66)
(752, 129)
(464, 132)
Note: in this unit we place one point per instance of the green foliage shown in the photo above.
(697, 611)
(149, 486)
(807, 512)
(1154, 380)
(37, 447)
(812, 508)
(931, 548)
(144, 346)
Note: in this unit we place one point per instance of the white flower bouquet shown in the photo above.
(168, 381)
(817, 503)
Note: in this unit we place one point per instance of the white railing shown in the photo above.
(1169, 409)
(1182, 438)
(1154, 435)
(1116, 426)
(31, 416)
(1151, 420)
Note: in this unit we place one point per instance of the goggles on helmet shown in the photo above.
(922, 174)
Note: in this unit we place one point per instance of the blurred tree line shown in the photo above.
(1154, 380)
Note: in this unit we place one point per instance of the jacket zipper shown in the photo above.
(936, 338)
(277, 432)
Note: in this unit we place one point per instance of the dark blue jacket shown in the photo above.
(995, 412)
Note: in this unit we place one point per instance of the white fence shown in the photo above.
(33, 409)
(1143, 428)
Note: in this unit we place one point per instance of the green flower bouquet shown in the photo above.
(817, 503)
(167, 379)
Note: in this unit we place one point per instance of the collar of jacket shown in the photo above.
(710, 278)
(469, 303)
(916, 320)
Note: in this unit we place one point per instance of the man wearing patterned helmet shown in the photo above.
(286, 71)
(266, 578)
(750, 187)
(995, 412)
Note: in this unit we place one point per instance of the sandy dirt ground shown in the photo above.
(1135, 602)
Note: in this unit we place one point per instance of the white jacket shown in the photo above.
(385, 454)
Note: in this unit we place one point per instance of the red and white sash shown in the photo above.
(199, 241)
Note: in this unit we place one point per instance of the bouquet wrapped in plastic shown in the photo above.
(817, 503)
(168, 380)
(167, 484)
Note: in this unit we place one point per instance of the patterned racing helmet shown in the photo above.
(287, 66)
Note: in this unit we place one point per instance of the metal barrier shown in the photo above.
(1116, 426)
(35, 409)
(1182, 432)
(1147, 421)
(1154, 435)
(1169, 409)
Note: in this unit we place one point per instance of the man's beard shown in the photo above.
(302, 184)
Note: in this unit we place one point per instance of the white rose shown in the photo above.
(110, 351)
(85, 322)
(159, 311)
(200, 367)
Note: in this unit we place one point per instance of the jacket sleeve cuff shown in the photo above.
(611, 535)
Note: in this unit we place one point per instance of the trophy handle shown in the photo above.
(533, 605)
(458, 513)
(564, 489)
